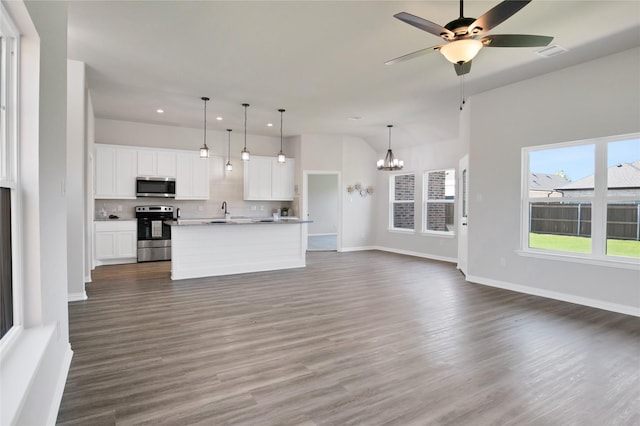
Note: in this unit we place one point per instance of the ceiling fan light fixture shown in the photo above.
(461, 51)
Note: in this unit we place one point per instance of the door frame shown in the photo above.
(305, 203)
(463, 214)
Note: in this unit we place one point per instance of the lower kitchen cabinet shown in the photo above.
(115, 242)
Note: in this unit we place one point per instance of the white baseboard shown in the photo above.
(417, 254)
(87, 279)
(59, 391)
(321, 234)
(74, 297)
(348, 249)
(585, 301)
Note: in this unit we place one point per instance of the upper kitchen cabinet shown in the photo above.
(156, 163)
(192, 177)
(267, 180)
(115, 172)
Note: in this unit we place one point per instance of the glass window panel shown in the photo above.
(561, 226)
(404, 187)
(403, 215)
(623, 229)
(623, 168)
(440, 217)
(562, 172)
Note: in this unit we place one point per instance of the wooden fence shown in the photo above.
(575, 219)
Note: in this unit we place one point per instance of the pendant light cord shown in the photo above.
(205, 121)
(462, 101)
(281, 112)
(229, 147)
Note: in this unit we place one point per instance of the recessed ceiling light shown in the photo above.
(160, 111)
(269, 124)
(355, 118)
(219, 118)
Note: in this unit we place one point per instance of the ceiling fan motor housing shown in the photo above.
(460, 27)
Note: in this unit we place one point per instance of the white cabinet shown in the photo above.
(156, 163)
(115, 242)
(192, 177)
(266, 179)
(115, 172)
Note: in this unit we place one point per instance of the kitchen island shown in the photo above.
(214, 247)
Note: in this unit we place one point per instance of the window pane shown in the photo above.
(623, 229)
(404, 186)
(403, 215)
(6, 275)
(623, 168)
(562, 172)
(440, 217)
(560, 226)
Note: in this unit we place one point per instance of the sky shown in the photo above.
(578, 161)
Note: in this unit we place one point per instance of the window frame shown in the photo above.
(599, 202)
(392, 202)
(426, 201)
(10, 161)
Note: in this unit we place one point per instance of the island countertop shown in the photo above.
(235, 221)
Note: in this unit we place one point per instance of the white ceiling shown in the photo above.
(322, 61)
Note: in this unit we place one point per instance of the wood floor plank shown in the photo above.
(365, 338)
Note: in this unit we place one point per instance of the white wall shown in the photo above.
(39, 358)
(418, 159)
(323, 204)
(76, 154)
(353, 158)
(595, 99)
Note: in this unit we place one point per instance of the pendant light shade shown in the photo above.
(228, 166)
(244, 154)
(204, 150)
(390, 162)
(281, 157)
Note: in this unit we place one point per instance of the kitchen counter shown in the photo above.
(210, 247)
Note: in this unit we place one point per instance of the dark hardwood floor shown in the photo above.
(365, 338)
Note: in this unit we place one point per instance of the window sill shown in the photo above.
(438, 234)
(402, 231)
(615, 262)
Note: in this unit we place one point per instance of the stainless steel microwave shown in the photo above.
(164, 187)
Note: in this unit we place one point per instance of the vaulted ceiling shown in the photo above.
(322, 61)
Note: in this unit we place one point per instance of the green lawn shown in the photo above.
(583, 244)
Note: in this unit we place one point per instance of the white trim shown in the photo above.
(87, 279)
(115, 261)
(442, 234)
(305, 203)
(59, 390)
(75, 297)
(349, 249)
(550, 294)
(610, 261)
(401, 231)
(322, 235)
(417, 254)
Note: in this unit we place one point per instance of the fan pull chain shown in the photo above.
(462, 101)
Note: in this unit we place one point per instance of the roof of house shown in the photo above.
(623, 175)
(545, 182)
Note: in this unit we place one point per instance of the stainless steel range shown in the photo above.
(154, 236)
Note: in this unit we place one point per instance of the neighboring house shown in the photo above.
(544, 185)
(622, 179)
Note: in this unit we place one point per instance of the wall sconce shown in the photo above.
(359, 189)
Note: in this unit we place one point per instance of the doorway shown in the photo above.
(322, 207)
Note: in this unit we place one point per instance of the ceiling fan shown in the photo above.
(461, 36)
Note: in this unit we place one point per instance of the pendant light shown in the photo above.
(204, 151)
(390, 162)
(244, 154)
(281, 157)
(229, 166)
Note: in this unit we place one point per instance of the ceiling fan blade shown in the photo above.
(515, 40)
(412, 55)
(496, 16)
(463, 68)
(423, 24)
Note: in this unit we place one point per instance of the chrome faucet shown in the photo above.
(224, 207)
